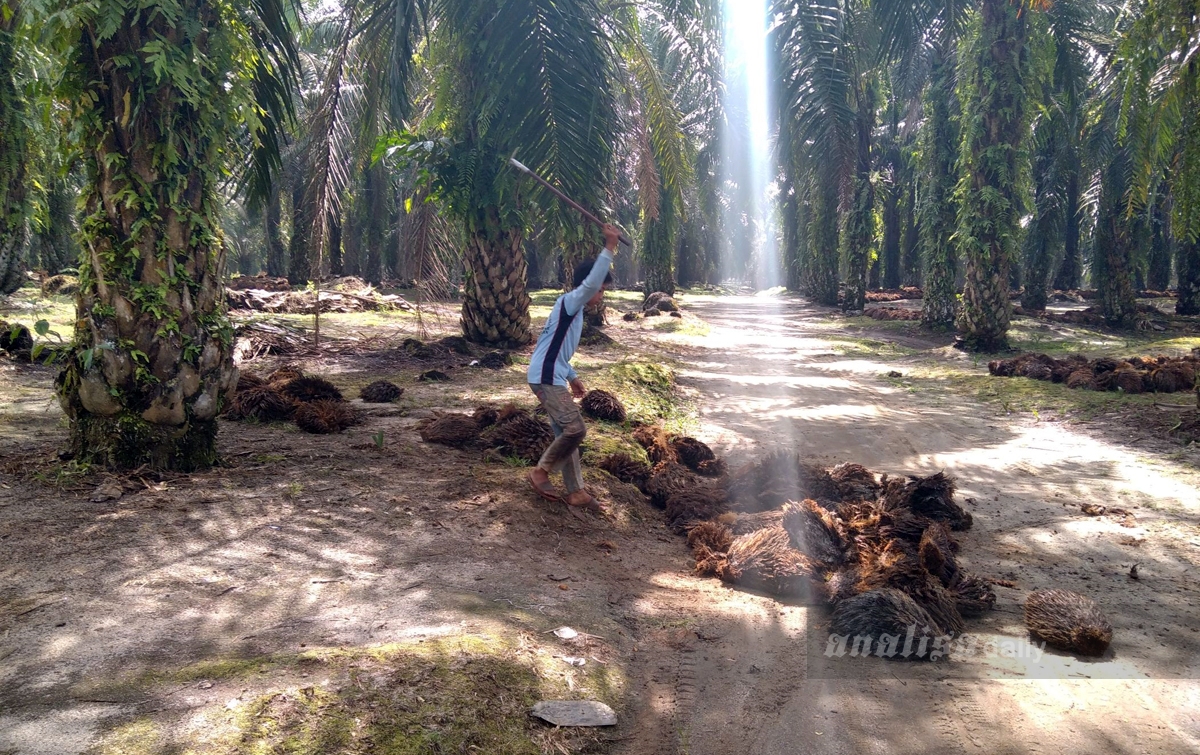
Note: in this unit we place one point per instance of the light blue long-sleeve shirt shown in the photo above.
(551, 360)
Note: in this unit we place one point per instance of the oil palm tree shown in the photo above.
(1075, 43)
(536, 77)
(14, 136)
(161, 90)
(671, 77)
(826, 53)
(940, 142)
(995, 102)
(922, 39)
(532, 77)
(1159, 90)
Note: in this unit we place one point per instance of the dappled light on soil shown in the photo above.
(197, 587)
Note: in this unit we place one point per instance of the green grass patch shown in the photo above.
(689, 326)
(542, 301)
(607, 438)
(27, 305)
(869, 323)
(854, 346)
(64, 474)
(1022, 395)
(646, 388)
(458, 694)
(1059, 340)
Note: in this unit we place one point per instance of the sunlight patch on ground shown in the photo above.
(835, 411)
(1051, 451)
(784, 409)
(1048, 666)
(771, 380)
(854, 366)
(58, 647)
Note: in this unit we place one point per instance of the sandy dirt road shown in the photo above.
(310, 541)
(742, 682)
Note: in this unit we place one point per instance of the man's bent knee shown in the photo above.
(576, 431)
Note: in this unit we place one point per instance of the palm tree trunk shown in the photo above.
(1070, 271)
(794, 241)
(940, 305)
(1187, 264)
(299, 259)
(891, 236)
(1111, 263)
(573, 254)
(1047, 220)
(376, 201)
(55, 244)
(495, 310)
(151, 360)
(658, 249)
(336, 256)
(272, 230)
(994, 123)
(660, 275)
(911, 275)
(821, 268)
(1037, 269)
(352, 233)
(860, 220)
(14, 206)
(1159, 272)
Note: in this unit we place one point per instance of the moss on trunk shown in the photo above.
(820, 271)
(940, 304)
(14, 205)
(1111, 259)
(127, 441)
(994, 123)
(858, 234)
(1188, 265)
(151, 357)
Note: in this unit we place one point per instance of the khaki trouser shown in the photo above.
(569, 432)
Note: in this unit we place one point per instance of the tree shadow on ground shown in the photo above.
(326, 542)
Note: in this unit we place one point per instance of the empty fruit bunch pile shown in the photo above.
(315, 404)
(881, 551)
(1133, 375)
(506, 432)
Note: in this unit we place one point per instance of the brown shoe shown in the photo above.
(544, 488)
(581, 499)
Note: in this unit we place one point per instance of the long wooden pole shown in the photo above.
(555, 191)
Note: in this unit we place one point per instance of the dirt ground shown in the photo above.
(182, 612)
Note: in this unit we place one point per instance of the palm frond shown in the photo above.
(329, 153)
(649, 181)
(663, 120)
(271, 25)
(817, 84)
(544, 88)
(388, 39)
(431, 243)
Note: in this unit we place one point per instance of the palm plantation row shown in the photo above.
(967, 147)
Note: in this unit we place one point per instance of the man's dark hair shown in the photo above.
(584, 268)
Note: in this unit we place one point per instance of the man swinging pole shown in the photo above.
(551, 376)
(555, 383)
